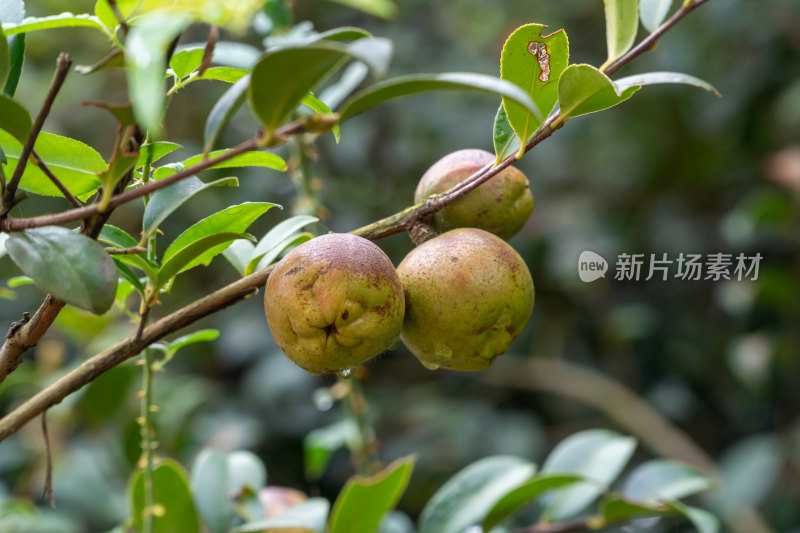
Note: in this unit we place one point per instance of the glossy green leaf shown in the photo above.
(344, 33)
(222, 112)
(506, 142)
(282, 78)
(232, 219)
(533, 62)
(63, 20)
(653, 12)
(238, 254)
(104, 13)
(16, 45)
(145, 51)
(320, 444)
(18, 281)
(5, 59)
(385, 9)
(319, 106)
(203, 335)
(247, 159)
(617, 508)
(189, 254)
(271, 256)
(275, 236)
(583, 89)
(226, 74)
(75, 164)
(209, 480)
(155, 151)
(469, 495)
(14, 119)
(279, 14)
(418, 83)
(664, 479)
(659, 78)
(363, 501)
(703, 521)
(66, 264)
(517, 499)
(622, 22)
(598, 455)
(187, 61)
(128, 275)
(116, 237)
(165, 201)
(309, 516)
(172, 493)
(149, 268)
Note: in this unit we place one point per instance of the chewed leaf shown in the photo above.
(584, 89)
(533, 62)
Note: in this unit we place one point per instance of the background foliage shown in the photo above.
(672, 170)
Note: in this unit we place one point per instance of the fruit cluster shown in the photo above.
(456, 300)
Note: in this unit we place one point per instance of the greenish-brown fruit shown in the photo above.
(468, 295)
(501, 205)
(334, 302)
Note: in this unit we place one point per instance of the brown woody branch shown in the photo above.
(238, 290)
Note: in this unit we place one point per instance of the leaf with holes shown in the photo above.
(583, 89)
(533, 61)
(66, 264)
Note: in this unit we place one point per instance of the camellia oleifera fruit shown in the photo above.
(500, 206)
(468, 295)
(334, 302)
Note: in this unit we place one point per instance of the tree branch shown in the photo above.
(62, 69)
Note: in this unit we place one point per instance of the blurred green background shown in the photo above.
(672, 170)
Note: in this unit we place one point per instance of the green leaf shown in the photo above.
(145, 51)
(272, 256)
(185, 62)
(363, 501)
(279, 14)
(155, 150)
(63, 20)
(319, 106)
(15, 119)
(703, 521)
(469, 495)
(657, 78)
(418, 83)
(171, 492)
(238, 254)
(664, 479)
(506, 142)
(344, 33)
(192, 254)
(385, 9)
(75, 163)
(232, 219)
(226, 74)
(165, 201)
(16, 46)
(616, 508)
(128, 274)
(282, 78)
(653, 12)
(116, 237)
(210, 489)
(598, 455)
(247, 159)
(309, 516)
(66, 264)
(320, 445)
(104, 13)
(272, 239)
(622, 21)
(533, 62)
(203, 335)
(523, 495)
(583, 89)
(222, 112)
(5, 59)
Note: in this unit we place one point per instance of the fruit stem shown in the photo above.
(365, 450)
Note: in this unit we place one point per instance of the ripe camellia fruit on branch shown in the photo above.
(500, 206)
(468, 295)
(334, 302)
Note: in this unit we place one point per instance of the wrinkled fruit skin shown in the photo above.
(334, 302)
(500, 205)
(468, 295)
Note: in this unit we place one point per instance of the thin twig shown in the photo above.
(208, 51)
(47, 492)
(57, 182)
(63, 64)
